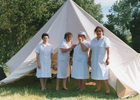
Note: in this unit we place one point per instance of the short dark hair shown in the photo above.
(45, 34)
(100, 28)
(67, 34)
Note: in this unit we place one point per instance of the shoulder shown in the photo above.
(93, 39)
(63, 41)
(40, 44)
(106, 38)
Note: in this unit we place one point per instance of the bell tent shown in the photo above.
(124, 70)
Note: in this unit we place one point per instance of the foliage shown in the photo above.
(124, 37)
(92, 8)
(134, 25)
(124, 19)
(28, 88)
(21, 19)
(17, 24)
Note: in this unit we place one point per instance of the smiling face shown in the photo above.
(99, 32)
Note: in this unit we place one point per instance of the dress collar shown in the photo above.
(100, 38)
(44, 44)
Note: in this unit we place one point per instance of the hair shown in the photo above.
(67, 34)
(45, 34)
(83, 36)
(100, 28)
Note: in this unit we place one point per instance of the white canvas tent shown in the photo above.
(124, 69)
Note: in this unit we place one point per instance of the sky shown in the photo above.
(106, 5)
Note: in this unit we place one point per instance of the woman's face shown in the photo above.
(99, 32)
(81, 37)
(45, 39)
(69, 38)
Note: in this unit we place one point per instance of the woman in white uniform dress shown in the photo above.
(44, 53)
(63, 59)
(80, 69)
(99, 57)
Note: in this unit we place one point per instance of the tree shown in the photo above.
(21, 19)
(90, 7)
(17, 24)
(121, 18)
(134, 25)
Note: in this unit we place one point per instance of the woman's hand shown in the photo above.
(38, 66)
(89, 62)
(73, 46)
(80, 39)
(107, 62)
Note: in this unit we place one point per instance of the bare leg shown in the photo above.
(98, 86)
(57, 83)
(82, 84)
(106, 86)
(64, 83)
(42, 84)
(78, 85)
(45, 81)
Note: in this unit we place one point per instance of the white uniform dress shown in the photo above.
(80, 68)
(63, 60)
(98, 58)
(45, 60)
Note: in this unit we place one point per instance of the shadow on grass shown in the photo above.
(31, 86)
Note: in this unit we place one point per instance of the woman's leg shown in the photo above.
(106, 86)
(57, 83)
(78, 86)
(82, 84)
(85, 80)
(98, 85)
(64, 84)
(42, 84)
(45, 81)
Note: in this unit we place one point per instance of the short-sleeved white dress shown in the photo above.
(63, 60)
(80, 69)
(45, 60)
(98, 58)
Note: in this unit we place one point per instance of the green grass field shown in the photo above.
(28, 88)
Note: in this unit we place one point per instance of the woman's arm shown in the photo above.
(89, 58)
(108, 56)
(68, 49)
(38, 61)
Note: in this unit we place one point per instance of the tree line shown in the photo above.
(21, 19)
(124, 21)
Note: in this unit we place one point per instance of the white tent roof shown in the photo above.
(125, 62)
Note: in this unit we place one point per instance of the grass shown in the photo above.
(28, 88)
